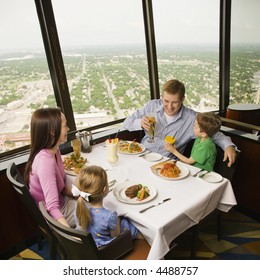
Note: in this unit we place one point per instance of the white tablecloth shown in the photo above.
(192, 199)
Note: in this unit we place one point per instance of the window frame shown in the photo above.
(58, 75)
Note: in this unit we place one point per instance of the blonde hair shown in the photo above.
(93, 180)
(174, 87)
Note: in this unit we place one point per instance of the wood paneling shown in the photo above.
(246, 183)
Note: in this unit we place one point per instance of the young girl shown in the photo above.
(90, 215)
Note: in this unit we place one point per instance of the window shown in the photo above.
(24, 75)
(187, 39)
(245, 52)
(103, 48)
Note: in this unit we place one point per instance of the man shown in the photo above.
(175, 119)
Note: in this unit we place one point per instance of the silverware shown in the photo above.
(169, 159)
(117, 133)
(202, 175)
(156, 204)
(145, 153)
(194, 175)
(159, 165)
(111, 183)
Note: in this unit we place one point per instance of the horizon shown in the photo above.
(177, 47)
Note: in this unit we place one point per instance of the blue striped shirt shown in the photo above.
(181, 127)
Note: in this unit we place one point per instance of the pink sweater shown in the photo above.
(47, 180)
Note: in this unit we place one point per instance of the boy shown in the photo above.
(203, 153)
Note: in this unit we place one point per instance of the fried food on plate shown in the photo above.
(74, 162)
(129, 147)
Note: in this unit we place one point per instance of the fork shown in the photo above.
(111, 188)
(195, 174)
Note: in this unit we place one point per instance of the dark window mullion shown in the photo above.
(151, 49)
(54, 58)
(224, 56)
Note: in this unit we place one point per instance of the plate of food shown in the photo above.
(170, 170)
(212, 177)
(130, 147)
(134, 193)
(73, 163)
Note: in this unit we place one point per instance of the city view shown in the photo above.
(110, 83)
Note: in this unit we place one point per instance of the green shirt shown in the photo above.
(204, 153)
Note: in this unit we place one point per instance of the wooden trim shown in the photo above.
(242, 124)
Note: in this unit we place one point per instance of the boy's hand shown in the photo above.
(169, 147)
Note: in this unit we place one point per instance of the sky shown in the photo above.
(88, 22)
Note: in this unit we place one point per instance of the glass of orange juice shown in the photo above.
(169, 139)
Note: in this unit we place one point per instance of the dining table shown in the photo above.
(189, 199)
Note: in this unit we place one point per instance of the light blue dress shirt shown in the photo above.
(181, 127)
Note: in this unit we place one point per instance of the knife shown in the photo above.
(145, 153)
(156, 204)
(203, 174)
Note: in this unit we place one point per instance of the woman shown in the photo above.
(44, 172)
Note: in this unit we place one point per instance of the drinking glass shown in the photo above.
(76, 144)
(151, 130)
(111, 154)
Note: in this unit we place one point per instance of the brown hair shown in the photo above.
(209, 123)
(174, 87)
(91, 179)
(45, 133)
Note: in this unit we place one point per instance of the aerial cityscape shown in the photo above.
(108, 84)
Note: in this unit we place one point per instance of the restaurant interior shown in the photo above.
(218, 235)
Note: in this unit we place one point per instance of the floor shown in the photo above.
(240, 241)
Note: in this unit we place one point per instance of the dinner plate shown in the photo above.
(71, 171)
(119, 193)
(133, 153)
(212, 177)
(152, 157)
(184, 172)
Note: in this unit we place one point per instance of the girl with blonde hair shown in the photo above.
(90, 215)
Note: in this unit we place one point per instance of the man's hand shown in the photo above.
(145, 123)
(230, 154)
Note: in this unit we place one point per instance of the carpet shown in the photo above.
(240, 241)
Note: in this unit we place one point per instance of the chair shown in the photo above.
(80, 245)
(226, 172)
(221, 166)
(22, 190)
